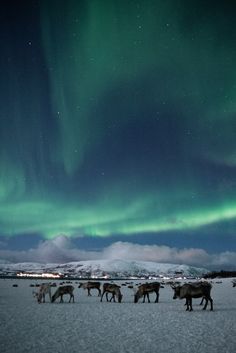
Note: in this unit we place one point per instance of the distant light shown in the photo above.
(43, 275)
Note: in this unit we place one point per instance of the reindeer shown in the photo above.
(63, 290)
(189, 291)
(145, 289)
(91, 285)
(194, 284)
(234, 283)
(114, 289)
(44, 288)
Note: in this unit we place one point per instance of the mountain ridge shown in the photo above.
(110, 268)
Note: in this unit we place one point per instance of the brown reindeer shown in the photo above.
(114, 289)
(189, 291)
(194, 284)
(145, 289)
(63, 290)
(91, 285)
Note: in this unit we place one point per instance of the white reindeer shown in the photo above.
(44, 288)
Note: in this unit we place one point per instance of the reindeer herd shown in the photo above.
(187, 291)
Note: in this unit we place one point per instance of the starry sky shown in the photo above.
(118, 127)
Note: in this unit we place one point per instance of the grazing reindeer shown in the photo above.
(114, 289)
(189, 291)
(234, 283)
(91, 285)
(61, 291)
(145, 289)
(44, 288)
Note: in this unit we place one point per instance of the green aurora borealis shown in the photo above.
(118, 118)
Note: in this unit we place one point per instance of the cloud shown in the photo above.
(62, 250)
(155, 253)
(58, 250)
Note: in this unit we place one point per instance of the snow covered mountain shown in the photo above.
(106, 268)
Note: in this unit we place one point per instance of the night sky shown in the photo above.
(118, 130)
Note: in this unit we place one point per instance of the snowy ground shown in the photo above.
(93, 327)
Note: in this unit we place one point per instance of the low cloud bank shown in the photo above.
(62, 250)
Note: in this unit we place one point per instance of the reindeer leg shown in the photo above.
(107, 297)
(112, 297)
(211, 301)
(187, 303)
(99, 292)
(157, 298)
(190, 303)
(205, 306)
(102, 296)
(71, 297)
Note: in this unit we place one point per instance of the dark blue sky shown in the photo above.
(117, 124)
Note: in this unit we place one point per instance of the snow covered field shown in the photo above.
(89, 326)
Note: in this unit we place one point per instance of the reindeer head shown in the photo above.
(38, 296)
(35, 294)
(176, 290)
(137, 296)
